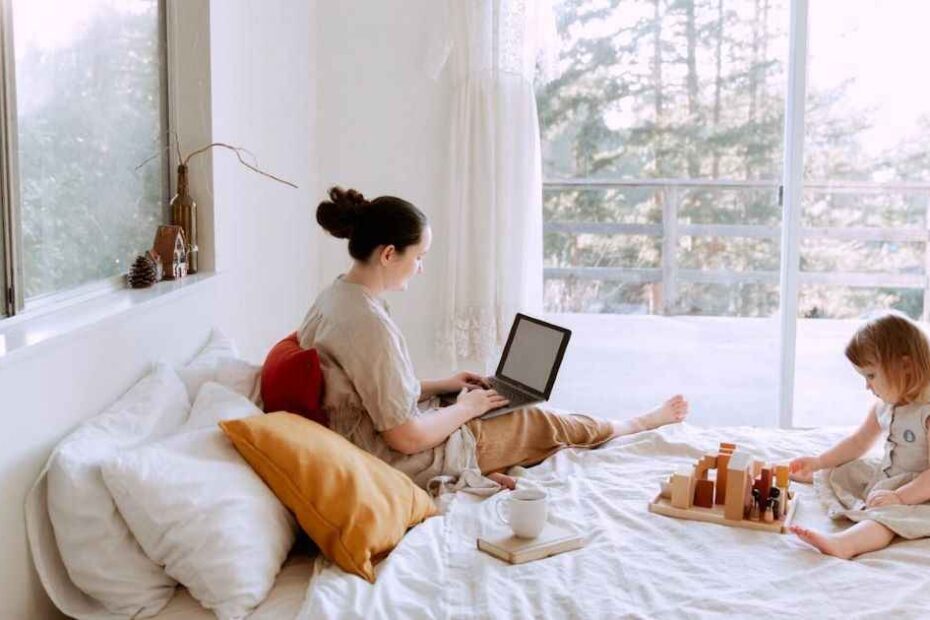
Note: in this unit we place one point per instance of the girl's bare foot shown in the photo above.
(828, 544)
(508, 482)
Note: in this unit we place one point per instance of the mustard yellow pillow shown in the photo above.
(353, 505)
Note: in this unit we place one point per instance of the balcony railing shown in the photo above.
(669, 275)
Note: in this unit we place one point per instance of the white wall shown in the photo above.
(262, 97)
(382, 130)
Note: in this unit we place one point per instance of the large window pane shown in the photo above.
(864, 209)
(90, 109)
(662, 145)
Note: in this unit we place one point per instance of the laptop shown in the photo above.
(529, 364)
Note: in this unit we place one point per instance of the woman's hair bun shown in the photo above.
(340, 214)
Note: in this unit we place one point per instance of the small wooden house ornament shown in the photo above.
(171, 246)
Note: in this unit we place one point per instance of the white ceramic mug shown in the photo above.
(526, 510)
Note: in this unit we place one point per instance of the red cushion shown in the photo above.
(292, 381)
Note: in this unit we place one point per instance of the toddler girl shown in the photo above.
(890, 496)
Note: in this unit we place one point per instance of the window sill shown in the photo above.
(25, 332)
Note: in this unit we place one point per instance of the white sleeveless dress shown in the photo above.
(845, 488)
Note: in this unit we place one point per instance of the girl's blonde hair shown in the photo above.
(885, 341)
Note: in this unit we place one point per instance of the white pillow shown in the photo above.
(101, 556)
(197, 508)
(219, 361)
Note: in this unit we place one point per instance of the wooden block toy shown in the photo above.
(727, 498)
(722, 463)
(766, 482)
(704, 493)
(706, 463)
(682, 486)
(739, 482)
(729, 447)
(781, 476)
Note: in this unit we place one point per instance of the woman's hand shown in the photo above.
(882, 497)
(802, 469)
(480, 401)
(464, 380)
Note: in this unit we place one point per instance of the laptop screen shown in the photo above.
(533, 353)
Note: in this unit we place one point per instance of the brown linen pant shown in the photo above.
(530, 435)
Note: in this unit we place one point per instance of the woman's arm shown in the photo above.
(455, 383)
(428, 431)
(428, 389)
(849, 449)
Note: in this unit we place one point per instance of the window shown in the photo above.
(84, 104)
(669, 159)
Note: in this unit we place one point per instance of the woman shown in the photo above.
(372, 394)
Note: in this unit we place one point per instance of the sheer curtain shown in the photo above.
(492, 48)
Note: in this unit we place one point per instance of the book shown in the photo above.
(553, 539)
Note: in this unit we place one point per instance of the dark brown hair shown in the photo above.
(386, 220)
(885, 341)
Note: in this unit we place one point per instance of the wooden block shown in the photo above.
(682, 489)
(723, 461)
(739, 482)
(757, 469)
(781, 476)
(709, 460)
(729, 447)
(766, 483)
(704, 493)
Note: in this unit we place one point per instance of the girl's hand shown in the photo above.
(464, 380)
(882, 497)
(480, 401)
(802, 469)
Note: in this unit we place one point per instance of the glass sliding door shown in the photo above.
(663, 147)
(865, 199)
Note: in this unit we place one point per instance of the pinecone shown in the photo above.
(142, 274)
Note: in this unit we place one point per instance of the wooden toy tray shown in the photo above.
(664, 506)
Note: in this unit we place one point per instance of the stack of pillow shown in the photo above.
(184, 480)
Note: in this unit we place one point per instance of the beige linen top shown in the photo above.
(369, 385)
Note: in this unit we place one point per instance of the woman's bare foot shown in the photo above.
(675, 409)
(508, 482)
(828, 544)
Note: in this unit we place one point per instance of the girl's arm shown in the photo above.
(849, 449)
(854, 446)
(917, 491)
(428, 431)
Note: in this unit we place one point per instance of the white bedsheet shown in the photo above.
(636, 564)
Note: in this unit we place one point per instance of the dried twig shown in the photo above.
(238, 151)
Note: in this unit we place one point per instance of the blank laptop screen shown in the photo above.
(532, 354)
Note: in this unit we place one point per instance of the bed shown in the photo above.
(636, 564)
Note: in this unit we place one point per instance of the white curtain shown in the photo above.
(493, 50)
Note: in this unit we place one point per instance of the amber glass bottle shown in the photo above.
(184, 214)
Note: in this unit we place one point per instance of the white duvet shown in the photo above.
(636, 564)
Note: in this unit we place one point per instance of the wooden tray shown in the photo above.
(715, 515)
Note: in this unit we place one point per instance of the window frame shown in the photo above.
(12, 298)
